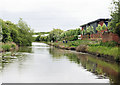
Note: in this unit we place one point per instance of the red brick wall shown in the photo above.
(85, 37)
(97, 35)
(105, 37)
(110, 37)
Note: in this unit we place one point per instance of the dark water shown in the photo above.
(41, 63)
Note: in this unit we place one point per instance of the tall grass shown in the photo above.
(112, 51)
(8, 46)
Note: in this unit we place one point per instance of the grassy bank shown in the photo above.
(109, 50)
(5, 47)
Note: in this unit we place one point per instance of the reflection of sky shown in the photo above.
(40, 68)
(44, 15)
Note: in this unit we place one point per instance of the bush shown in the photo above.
(6, 47)
(9, 46)
(13, 45)
(109, 44)
(118, 29)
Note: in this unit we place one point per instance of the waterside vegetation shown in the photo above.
(20, 33)
(11, 37)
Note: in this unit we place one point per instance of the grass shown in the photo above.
(112, 51)
(75, 43)
(108, 48)
(8, 46)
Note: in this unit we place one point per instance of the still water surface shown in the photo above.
(41, 63)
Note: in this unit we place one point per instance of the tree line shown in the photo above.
(58, 35)
(19, 33)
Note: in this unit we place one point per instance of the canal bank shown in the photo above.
(110, 54)
(7, 52)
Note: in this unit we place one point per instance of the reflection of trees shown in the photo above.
(59, 53)
(100, 67)
(73, 57)
(56, 53)
(25, 49)
(91, 63)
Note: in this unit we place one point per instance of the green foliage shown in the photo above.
(58, 34)
(20, 33)
(5, 32)
(25, 33)
(109, 44)
(88, 29)
(41, 33)
(84, 32)
(55, 34)
(6, 47)
(113, 51)
(92, 30)
(71, 38)
(115, 14)
(71, 34)
(37, 38)
(43, 38)
(99, 28)
(117, 29)
(104, 26)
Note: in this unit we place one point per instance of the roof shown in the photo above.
(98, 20)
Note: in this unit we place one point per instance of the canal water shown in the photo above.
(41, 63)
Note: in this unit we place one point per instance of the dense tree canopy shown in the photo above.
(115, 14)
(58, 34)
(70, 34)
(55, 34)
(19, 33)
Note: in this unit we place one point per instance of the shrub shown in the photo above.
(118, 29)
(109, 44)
(13, 45)
(6, 47)
(9, 46)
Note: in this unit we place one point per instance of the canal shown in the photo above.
(41, 63)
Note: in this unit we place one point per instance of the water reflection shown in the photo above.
(43, 64)
(25, 49)
(97, 66)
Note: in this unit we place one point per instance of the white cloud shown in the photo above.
(53, 13)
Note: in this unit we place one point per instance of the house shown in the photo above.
(104, 37)
(95, 23)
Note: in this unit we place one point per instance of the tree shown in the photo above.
(104, 26)
(0, 30)
(25, 33)
(88, 29)
(115, 14)
(78, 31)
(92, 29)
(84, 32)
(6, 32)
(55, 34)
(99, 28)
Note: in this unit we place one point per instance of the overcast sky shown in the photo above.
(44, 15)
